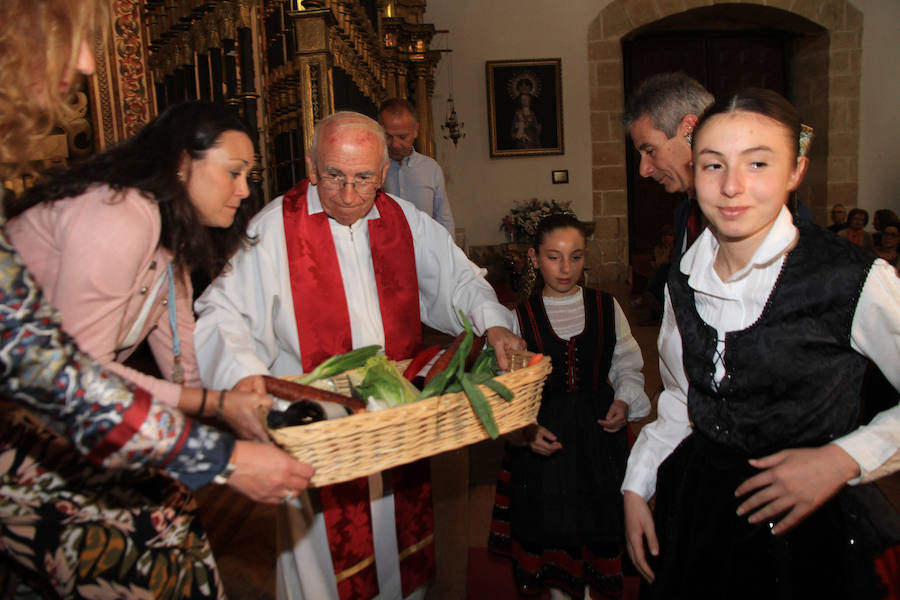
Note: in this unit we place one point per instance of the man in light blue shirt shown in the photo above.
(412, 176)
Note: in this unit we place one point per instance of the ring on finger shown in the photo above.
(288, 496)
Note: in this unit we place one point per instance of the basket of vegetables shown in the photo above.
(462, 402)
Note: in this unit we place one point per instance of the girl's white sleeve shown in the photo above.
(625, 369)
(875, 333)
(658, 439)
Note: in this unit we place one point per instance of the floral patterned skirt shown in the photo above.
(72, 529)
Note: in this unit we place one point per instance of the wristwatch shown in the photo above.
(222, 478)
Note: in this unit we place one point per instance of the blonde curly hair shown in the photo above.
(39, 49)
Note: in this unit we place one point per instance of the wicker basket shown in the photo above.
(365, 443)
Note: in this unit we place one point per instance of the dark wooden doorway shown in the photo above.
(722, 62)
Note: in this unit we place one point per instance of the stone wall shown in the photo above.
(825, 78)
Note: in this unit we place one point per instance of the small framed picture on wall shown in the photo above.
(561, 176)
(525, 107)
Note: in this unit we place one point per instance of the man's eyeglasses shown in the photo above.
(362, 185)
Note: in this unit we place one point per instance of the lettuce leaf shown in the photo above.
(383, 381)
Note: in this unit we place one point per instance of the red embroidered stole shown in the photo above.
(323, 328)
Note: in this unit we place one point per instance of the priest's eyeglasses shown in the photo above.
(362, 185)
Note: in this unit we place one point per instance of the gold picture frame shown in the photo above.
(525, 112)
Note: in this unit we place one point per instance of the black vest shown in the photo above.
(581, 363)
(791, 377)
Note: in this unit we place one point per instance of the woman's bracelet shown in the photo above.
(202, 403)
(221, 409)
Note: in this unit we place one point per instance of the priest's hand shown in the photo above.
(639, 525)
(794, 483)
(502, 339)
(265, 473)
(251, 383)
(240, 411)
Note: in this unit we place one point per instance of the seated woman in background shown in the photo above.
(880, 220)
(857, 219)
(114, 239)
(890, 239)
(93, 471)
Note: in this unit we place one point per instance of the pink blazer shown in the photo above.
(98, 257)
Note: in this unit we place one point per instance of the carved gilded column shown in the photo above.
(390, 29)
(313, 62)
(422, 64)
(201, 47)
(425, 141)
(247, 54)
(402, 81)
(120, 96)
(371, 50)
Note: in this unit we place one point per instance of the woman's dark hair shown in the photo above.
(882, 217)
(858, 211)
(895, 225)
(149, 162)
(757, 100)
(553, 222)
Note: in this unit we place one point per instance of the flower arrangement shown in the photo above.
(522, 221)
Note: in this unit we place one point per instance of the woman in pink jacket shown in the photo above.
(114, 240)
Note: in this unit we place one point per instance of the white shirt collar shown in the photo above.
(574, 298)
(314, 204)
(698, 261)
(408, 160)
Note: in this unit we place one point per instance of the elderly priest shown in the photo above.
(338, 264)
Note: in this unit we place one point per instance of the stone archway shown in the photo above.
(826, 87)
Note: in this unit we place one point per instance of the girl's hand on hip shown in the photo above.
(616, 417)
(639, 525)
(794, 483)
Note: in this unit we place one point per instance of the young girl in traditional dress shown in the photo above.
(558, 513)
(768, 326)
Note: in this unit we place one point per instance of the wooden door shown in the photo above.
(722, 62)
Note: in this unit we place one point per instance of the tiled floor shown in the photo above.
(243, 533)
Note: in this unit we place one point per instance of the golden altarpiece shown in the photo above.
(280, 64)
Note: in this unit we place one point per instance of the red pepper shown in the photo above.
(443, 360)
(477, 347)
(421, 359)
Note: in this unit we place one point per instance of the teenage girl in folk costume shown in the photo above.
(756, 457)
(558, 512)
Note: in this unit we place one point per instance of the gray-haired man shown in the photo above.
(660, 116)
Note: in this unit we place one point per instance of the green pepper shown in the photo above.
(485, 363)
(480, 405)
(500, 389)
(438, 385)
